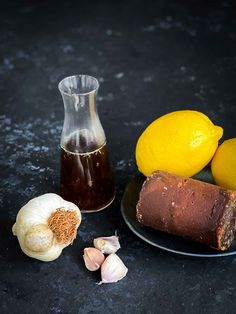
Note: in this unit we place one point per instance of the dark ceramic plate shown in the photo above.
(160, 239)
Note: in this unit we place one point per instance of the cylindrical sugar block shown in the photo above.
(189, 208)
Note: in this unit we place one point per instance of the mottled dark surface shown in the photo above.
(150, 58)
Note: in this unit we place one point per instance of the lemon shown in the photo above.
(223, 165)
(180, 142)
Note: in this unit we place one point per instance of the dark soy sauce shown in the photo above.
(86, 176)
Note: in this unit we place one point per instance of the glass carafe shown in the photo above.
(86, 176)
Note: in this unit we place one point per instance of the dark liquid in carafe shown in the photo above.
(86, 177)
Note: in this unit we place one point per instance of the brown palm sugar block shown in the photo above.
(189, 208)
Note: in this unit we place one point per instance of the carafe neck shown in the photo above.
(82, 129)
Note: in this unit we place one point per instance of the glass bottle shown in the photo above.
(86, 176)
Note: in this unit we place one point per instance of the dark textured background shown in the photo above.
(150, 58)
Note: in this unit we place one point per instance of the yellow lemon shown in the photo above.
(180, 142)
(223, 165)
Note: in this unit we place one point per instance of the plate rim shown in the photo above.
(132, 228)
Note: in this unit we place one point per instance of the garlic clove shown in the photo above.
(14, 229)
(113, 269)
(93, 258)
(39, 238)
(107, 245)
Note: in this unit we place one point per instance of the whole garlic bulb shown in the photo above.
(46, 225)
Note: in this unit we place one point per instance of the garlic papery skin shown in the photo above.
(93, 258)
(35, 237)
(107, 245)
(113, 269)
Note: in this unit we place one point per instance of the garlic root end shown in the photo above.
(64, 224)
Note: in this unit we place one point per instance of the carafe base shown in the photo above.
(99, 209)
